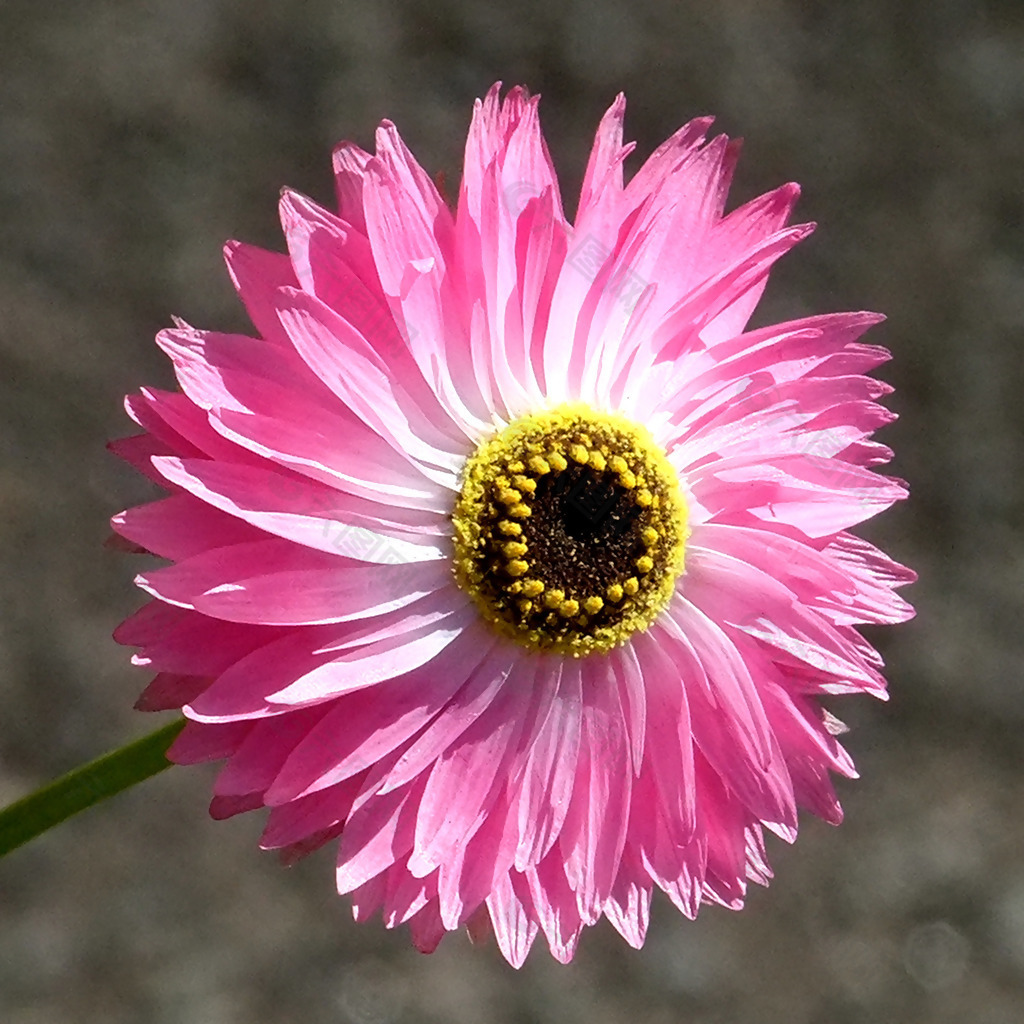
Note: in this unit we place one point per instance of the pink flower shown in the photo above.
(504, 554)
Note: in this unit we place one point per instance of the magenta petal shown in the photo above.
(426, 929)
(367, 899)
(309, 816)
(168, 690)
(199, 742)
(253, 766)
(406, 895)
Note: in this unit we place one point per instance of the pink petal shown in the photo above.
(373, 663)
(376, 835)
(188, 643)
(332, 260)
(463, 781)
(550, 771)
(426, 929)
(514, 927)
(629, 905)
(275, 582)
(604, 167)
(243, 686)
(668, 750)
(256, 274)
(475, 697)
(363, 727)
(818, 496)
(733, 735)
(349, 173)
(349, 366)
(476, 866)
(184, 425)
(180, 527)
(309, 626)
(406, 895)
(555, 906)
(594, 833)
(302, 511)
(753, 603)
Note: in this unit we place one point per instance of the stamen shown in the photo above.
(569, 530)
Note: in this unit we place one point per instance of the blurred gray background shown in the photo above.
(135, 137)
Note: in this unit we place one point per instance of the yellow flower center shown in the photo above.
(569, 530)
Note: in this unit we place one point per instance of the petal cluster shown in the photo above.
(309, 623)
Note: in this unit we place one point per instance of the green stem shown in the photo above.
(84, 786)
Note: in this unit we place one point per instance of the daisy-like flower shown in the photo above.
(505, 553)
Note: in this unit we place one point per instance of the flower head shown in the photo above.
(506, 553)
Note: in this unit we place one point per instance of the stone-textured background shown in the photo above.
(136, 136)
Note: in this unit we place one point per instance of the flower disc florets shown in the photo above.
(569, 530)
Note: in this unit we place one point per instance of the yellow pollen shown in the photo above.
(569, 530)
